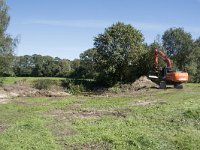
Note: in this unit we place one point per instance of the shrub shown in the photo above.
(73, 87)
(45, 84)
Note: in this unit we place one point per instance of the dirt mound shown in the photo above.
(143, 83)
(4, 97)
(52, 93)
(23, 90)
(16, 90)
(140, 86)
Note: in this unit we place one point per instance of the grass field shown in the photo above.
(11, 80)
(155, 119)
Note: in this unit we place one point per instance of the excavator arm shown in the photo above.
(159, 54)
(163, 56)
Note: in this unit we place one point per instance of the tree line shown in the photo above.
(119, 55)
(41, 66)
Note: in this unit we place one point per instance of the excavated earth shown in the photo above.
(17, 90)
(143, 83)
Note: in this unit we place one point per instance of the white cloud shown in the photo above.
(143, 26)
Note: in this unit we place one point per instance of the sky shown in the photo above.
(66, 28)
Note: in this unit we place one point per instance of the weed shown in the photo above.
(192, 114)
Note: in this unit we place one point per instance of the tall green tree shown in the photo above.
(87, 63)
(41, 66)
(75, 68)
(7, 43)
(62, 68)
(38, 65)
(118, 50)
(178, 45)
(23, 66)
(194, 65)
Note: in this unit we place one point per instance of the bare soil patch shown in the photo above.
(27, 91)
(52, 93)
(142, 86)
(4, 101)
(16, 90)
(60, 114)
(143, 103)
(24, 90)
(3, 127)
(142, 83)
(147, 102)
(4, 97)
(98, 113)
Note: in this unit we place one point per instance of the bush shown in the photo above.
(72, 86)
(45, 84)
(75, 89)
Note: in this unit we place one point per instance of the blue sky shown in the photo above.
(66, 28)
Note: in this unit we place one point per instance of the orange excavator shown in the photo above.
(166, 76)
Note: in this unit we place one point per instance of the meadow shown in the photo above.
(151, 119)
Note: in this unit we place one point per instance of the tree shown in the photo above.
(7, 43)
(194, 65)
(63, 68)
(75, 69)
(118, 50)
(23, 66)
(146, 62)
(38, 65)
(41, 66)
(178, 45)
(87, 63)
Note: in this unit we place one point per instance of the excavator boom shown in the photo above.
(163, 56)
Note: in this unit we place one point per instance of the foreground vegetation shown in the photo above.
(152, 119)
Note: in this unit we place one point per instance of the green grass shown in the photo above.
(192, 84)
(25, 127)
(170, 120)
(28, 133)
(11, 80)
